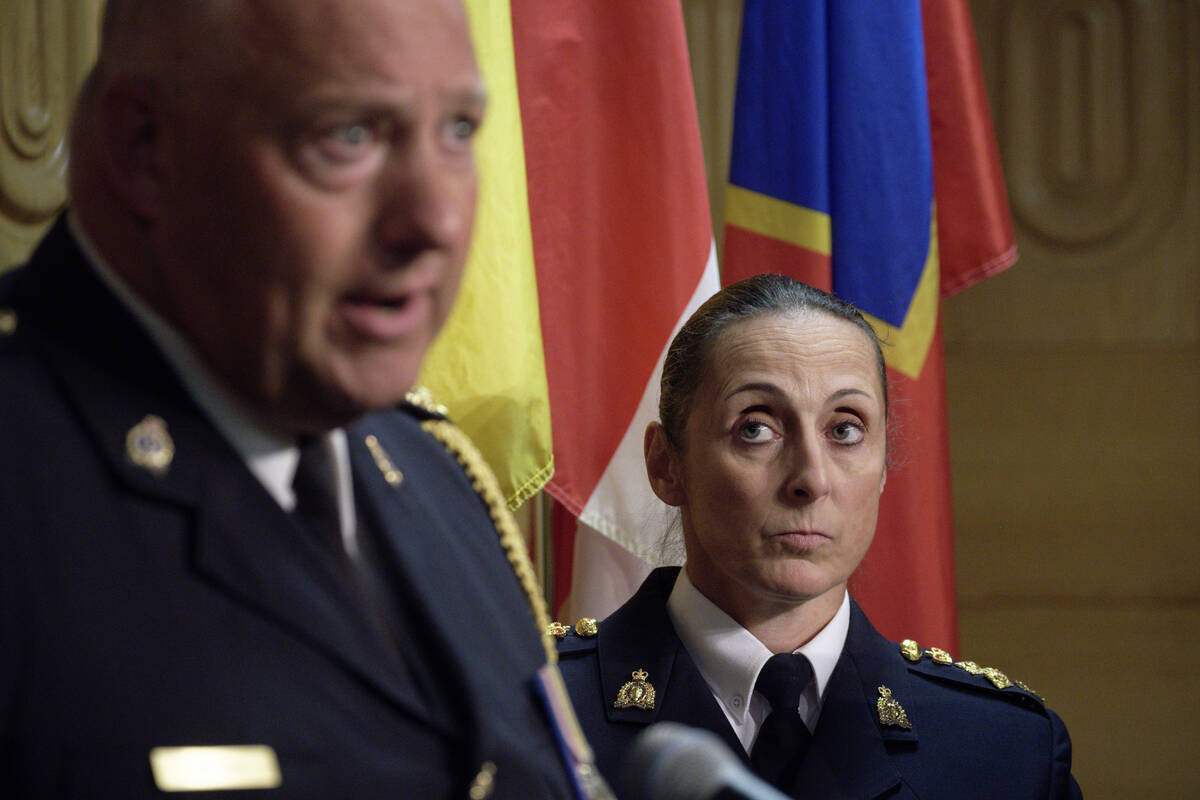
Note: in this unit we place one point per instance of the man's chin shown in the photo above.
(317, 413)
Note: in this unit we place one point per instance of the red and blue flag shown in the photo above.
(863, 162)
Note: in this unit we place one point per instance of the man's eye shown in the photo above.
(463, 129)
(459, 132)
(353, 134)
(847, 433)
(347, 143)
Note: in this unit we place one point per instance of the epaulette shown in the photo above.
(580, 638)
(939, 664)
(419, 402)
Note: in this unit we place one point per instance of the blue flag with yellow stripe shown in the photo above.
(835, 160)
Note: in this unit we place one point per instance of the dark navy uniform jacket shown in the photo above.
(968, 738)
(140, 610)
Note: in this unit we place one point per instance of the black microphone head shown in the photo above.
(669, 761)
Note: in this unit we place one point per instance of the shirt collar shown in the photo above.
(272, 457)
(729, 657)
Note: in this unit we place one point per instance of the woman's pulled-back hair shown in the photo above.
(753, 297)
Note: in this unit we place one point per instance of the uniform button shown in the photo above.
(8, 322)
(737, 701)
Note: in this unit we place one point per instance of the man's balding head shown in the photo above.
(290, 183)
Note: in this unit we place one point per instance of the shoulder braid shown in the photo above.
(484, 482)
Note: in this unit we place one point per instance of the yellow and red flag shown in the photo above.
(624, 252)
(593, 244)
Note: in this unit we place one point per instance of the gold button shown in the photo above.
(8, 322)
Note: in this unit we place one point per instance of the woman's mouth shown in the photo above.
(800, 539)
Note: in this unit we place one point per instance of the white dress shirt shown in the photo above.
(730, 658)
(271, 456)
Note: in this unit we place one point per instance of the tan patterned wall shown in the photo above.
(1074, 384)
(1074, 378)
(46, 46)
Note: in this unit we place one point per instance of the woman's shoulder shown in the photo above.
(574, 640)
(969, 719)
(960, 674)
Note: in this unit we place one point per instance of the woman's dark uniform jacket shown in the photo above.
(141, 610)
(968, 738)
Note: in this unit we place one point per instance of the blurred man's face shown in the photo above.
(318, 207)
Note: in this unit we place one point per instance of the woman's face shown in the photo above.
(781, 465)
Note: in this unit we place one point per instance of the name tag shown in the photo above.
(191, 769)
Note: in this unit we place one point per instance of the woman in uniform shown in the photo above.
(772, 443)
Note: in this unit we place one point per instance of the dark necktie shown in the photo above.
(371, 579)
(315, 486)
(783, 738)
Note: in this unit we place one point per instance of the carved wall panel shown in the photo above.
(1097, 110)
(46, 47)
(1099, 170)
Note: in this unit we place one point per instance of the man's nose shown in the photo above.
(427, 198)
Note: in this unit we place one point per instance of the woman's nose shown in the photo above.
(809, 476)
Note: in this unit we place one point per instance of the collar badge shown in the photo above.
(149, 446)
(637, 693)
(890, 710)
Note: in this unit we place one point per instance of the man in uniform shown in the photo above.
(231, 556)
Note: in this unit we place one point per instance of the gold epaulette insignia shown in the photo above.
(638, 693)
(1025, 686)
(998, 678)
(557, 630)
(149, 445)
(586, 627)
(890, 710)
(422, 398)
(939, 655)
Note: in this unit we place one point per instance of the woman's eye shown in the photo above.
(847, 433)
(754, 431)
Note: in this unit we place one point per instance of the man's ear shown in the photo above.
(129, 120)
(662, 466)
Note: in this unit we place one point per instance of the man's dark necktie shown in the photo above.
(783, 738)
(370, 577)
(315, 486)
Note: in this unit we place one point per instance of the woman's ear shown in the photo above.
(662, 466)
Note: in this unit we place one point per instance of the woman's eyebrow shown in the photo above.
(840, 393)
(755, 386)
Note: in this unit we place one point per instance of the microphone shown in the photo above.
(669, 761)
